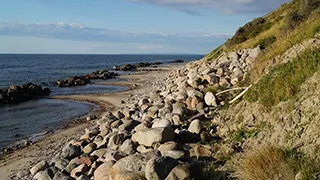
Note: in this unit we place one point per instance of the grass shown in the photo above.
(215, 53)
(265, 42)
(275, 163)
(249, 31)
(284, 81)
(242, 134)
(206, 170)
(303, 31)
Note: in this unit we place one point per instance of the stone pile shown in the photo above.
(156, 134)
(17, 94)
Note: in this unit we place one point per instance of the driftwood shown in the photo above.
(229, 90)
(240, 95)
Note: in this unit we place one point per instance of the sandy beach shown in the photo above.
(25, 158)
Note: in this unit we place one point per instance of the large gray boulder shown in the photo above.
(159, 168)
(44, 175)
(40, 166)
(148, 137)
(135, 162)
(70, 151)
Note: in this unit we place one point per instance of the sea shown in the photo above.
(34, 118)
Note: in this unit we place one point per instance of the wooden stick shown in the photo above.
(228, 90)
(240, 95)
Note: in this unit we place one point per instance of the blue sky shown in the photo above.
(123, 26)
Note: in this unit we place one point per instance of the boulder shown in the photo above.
(134, 163)
(128, 147)
(78, 171)
(61, 176)
(61, 163)
(180, 172)
(70, 151)
(168, 146)
(40, 166)
(102, 172)
(159, 168)
(83, 177)
(151, 136)
(161, 123)
(89, 148)
(116, 141)
(210, 99)
(174, 154)
(22, 173)
(202, 151)
(195, 126)
(99, 153)
(212, 78)
(44, 175)
(72, 164)
(126, 175)
(113, 155)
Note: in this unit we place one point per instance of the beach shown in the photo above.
(24, 158)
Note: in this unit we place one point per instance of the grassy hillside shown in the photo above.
(275, 33)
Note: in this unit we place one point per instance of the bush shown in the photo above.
(276, 163)
(292, 20)
(308, 6)
(265, 42)
(284, 81)
(250, 30)
(266, 163)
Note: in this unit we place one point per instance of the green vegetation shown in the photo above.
(206, 170)
(249, 30)
(242, 134)
(273, 162)
(284, 81)
(215, 53)
(265, 42)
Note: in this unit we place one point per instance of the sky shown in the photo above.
(123, 26)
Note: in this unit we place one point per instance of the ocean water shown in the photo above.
(24, 120)
(24, 68)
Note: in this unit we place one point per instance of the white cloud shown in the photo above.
(226, 6)
(80, 32)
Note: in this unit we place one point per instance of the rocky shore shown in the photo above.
(160, 132)
(85, 79)
(17, 94)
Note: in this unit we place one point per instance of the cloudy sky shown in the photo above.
(123, 26)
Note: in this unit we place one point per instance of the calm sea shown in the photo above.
(24, 120)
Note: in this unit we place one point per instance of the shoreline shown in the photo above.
(15, 161)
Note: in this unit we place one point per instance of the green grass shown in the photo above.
(284, 81)
(215, 53)
(265, 42)
(242, 134)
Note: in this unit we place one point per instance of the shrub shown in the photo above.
(265, 42)
(263, 164)
(284, 81)
(276, 163)
(292, 20)
(249, 30)
(308, 6)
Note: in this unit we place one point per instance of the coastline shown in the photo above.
(24, 158)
